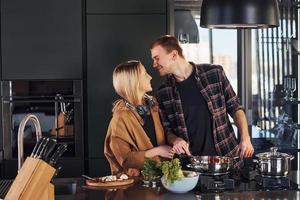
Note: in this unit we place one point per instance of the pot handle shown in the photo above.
(259, 162)
(262, 162)
(274, 150)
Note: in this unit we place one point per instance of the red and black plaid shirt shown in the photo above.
(220, 97)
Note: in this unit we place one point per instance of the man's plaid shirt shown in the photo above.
(220, 97)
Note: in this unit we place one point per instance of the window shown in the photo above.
(274, 89)
(209, 46)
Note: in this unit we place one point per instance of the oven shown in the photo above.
(58, 106)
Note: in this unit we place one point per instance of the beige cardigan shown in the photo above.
(126, 140)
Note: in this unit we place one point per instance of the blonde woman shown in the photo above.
(135, 131)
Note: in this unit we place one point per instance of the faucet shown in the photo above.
(38, 132)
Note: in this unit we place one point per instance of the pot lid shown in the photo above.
(273, 154)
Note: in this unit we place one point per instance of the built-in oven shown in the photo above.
(58, 106)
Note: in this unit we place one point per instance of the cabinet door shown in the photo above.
(128, 6)
(112, 39)
(41, 39)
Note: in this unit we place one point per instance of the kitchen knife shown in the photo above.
(36, 147)
(89, 178)
(39, 147)
(39, 155)
(59, 155)
(51, 145)
(56, 172)
(59, 151)
(54, 160)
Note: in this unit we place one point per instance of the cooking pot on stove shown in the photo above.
(212, 164)
(274, 163)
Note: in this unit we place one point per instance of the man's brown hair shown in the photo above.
(169, 43)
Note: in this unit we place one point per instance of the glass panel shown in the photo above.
(274, 85)
(59, 114)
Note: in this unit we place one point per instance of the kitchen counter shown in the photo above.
(139, 192)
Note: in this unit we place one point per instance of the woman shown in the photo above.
(135, 131)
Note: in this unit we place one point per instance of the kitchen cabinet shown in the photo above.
(41, 39)
(112, 39)
(128, 6)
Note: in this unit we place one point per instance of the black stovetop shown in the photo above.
(243, 181)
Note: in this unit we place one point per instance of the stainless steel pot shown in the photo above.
(274, 163)
(212, 164)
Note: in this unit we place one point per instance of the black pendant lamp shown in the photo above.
(239, 14)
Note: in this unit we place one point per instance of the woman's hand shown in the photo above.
(180, 146)
(133, 172)
(165, 151)
(162, 150)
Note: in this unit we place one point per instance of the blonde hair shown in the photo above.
(126, 80)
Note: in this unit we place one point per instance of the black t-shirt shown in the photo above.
(197, 117)
(149, 128)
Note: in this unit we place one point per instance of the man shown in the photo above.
(195, 101)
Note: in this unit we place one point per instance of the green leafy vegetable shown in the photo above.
(151, 169)
(171, 171)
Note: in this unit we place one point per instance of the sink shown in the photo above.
(65, 187)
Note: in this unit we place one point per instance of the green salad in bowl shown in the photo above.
(172, 176)
(175, 179)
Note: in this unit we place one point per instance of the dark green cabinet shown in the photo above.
(41, 39)
(128, 6)
(112, 39)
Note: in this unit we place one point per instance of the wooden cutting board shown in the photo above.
(110, 183)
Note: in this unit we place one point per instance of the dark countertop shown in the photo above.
(138, 192)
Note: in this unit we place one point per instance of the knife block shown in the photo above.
(33, 181)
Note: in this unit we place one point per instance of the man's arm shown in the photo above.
(178, 144)
(245, 146)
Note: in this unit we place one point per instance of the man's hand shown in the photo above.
(181, 146)
(245, 148)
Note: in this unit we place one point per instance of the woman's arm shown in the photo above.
(135, 159)
(124, 155)
(162, 150)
